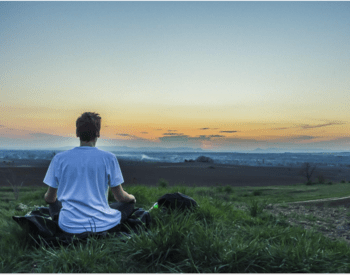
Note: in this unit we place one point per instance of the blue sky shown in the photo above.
(246, 67)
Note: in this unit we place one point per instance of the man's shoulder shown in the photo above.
(107, 153)
(75, 151)
(60, 154)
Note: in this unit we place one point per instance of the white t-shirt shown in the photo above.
(82, 176)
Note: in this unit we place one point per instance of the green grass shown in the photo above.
(292, 193)
(218, 237)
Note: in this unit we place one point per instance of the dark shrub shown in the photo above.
(321, 179)
(204, 159)
(309, 182)
(255, 207)
(163, 183)
(228, 189)
(330, 183)
(257, 193)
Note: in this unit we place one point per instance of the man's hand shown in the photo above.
(133, 198)
(122, 196)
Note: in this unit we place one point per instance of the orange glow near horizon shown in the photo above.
(208, 127)
(135, 122)
(151, 131)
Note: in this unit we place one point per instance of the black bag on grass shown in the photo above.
(177, 201)
(138, 221)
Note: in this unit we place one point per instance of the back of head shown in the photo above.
(88, 126)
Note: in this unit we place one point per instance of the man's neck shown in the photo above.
(88, 143)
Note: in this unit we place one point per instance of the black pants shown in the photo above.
(126, 210)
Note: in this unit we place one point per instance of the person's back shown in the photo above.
(83, 174)
(81, 178)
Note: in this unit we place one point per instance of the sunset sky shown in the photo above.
(210, 75)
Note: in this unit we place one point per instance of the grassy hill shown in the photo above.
(220, 236)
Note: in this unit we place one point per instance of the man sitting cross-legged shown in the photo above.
(79, 180)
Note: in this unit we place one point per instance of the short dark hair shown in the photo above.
(88, 126)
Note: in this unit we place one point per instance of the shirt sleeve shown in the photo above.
(115, 174)
(51, 178)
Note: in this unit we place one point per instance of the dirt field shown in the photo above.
(199, 174)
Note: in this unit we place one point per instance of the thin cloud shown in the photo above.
(182, 137)
(173, 137)
(321, 125)
(144, 132)
(43, 135)
(307, 126)
(215, 136)
(159, 129)
(173, 134)
(228, 131)
(303, 137)
(172, 130)
(284, 128)
(208, 128)
(131, 136)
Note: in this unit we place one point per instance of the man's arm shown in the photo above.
(51, 195)
(122, 196)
